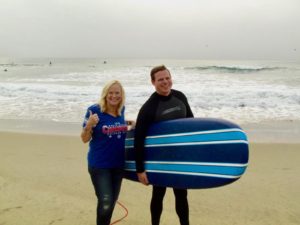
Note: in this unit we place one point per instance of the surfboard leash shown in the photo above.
(126, 213)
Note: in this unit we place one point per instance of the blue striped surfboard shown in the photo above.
(191, 153)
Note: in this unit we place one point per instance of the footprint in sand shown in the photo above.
(57, 220)
(9, 209)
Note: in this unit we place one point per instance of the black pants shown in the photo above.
(181, 204)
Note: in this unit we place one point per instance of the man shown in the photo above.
(164, 104)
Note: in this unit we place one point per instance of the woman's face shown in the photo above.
(114, 95)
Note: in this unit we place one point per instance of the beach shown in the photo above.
(44, 181)
(43, 167)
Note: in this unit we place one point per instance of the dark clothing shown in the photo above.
(181, 204)
(159, 108)
(107, 185)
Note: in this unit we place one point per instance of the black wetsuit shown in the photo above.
(158, 108)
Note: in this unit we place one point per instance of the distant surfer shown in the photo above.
(5, 70)
(164, 104)
(50, 63)
(104, 62)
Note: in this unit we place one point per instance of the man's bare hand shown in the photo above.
(143, 178)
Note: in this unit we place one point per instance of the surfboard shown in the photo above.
(191, 153)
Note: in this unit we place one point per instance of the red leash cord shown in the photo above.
(126, 213)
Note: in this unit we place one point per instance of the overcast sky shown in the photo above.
(191, 29)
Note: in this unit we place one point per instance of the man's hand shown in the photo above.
(143, 178)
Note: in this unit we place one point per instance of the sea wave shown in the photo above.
(20, 65)
(233, 69)
(238, 92)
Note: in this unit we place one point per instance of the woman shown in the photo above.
(105, 129)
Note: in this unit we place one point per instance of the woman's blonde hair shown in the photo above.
(103, 102)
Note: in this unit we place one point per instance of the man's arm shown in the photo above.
(141, 127)
(144, 120)
(139, 140)
(183, 98)
(189, 112)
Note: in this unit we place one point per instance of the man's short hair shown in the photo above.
(157, 69)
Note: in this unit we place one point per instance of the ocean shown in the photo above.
(51, 92)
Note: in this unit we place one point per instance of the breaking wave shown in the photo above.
(233, 69)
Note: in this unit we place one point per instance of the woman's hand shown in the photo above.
(93, 120)
(130, 124)
(87, 131)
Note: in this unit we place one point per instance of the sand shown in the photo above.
(44, 181)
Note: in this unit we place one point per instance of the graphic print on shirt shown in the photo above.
(176, 108)
(172, 109)
(114, 129)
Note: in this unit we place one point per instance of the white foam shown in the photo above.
(65, 95)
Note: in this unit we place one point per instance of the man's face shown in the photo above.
(162, 82)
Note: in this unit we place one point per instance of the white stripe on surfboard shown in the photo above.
(192, 163)
(189, 173)
(199, 143)
(194, 133)
(194, 143)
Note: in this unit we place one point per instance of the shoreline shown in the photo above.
(264, 132)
